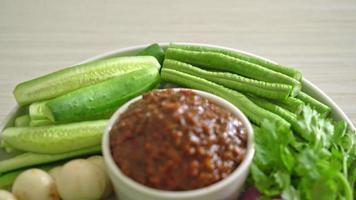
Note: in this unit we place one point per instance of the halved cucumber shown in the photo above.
(101, 100)
(55, 139)
(79, 76)
(22, 120)
(31, 159)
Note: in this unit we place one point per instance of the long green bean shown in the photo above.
(234, 81)
(294, 73)
(255, 113)
(323, 109)
(292, 104)
(280, 111)
(284, 113)
(221, 62)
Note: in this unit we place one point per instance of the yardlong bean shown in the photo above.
(221, 62)
(294, 73)
(255, 113)
(315, 104)
(234, 81)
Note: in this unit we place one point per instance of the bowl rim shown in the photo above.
(238, 172)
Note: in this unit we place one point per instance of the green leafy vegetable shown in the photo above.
(317, 164)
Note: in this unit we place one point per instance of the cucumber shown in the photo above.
(101, 100)
(153, 50)
(79, 76)
(36, 109)
(22, 120)
(40, 122)
(31, 159)
(56, 138)
(8, 148)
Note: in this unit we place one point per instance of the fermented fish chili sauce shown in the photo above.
(177, 140)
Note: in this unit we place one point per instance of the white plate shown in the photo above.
(307, 86)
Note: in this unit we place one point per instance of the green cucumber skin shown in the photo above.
(101, 100)
(222, 62)
(78, 76)
(23, 120)
(153, 50)
(294, 73)
(255, 113)
(31, 159)
(323, 109)
(234, 81)
(40, 122)
(56, 138)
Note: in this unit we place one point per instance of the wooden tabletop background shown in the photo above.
(316, 36)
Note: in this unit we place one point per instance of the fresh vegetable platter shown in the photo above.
(305, 144)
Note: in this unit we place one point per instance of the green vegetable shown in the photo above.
(221, 62)
(22, 120)
(321, 166)
(79, 76)
(40, 122)
(101, 100)
(255, 113)
(37, 109)
(292, 104)
(264, 103)
(8, 148)
(280, 111)
(315, 104)
(233, 81)
(294, 73)
(31, 159)
(153, 50)
(56, 138)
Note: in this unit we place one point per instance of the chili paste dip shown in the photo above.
(177, 140)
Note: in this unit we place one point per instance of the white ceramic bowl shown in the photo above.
(228, 188)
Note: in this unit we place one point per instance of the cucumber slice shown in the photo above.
(22, 120)
(31, 159)
(73, 78)
(101, 100)
(55, 139)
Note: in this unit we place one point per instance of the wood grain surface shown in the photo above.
(316, 36)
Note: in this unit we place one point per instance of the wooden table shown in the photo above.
(318, 37)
